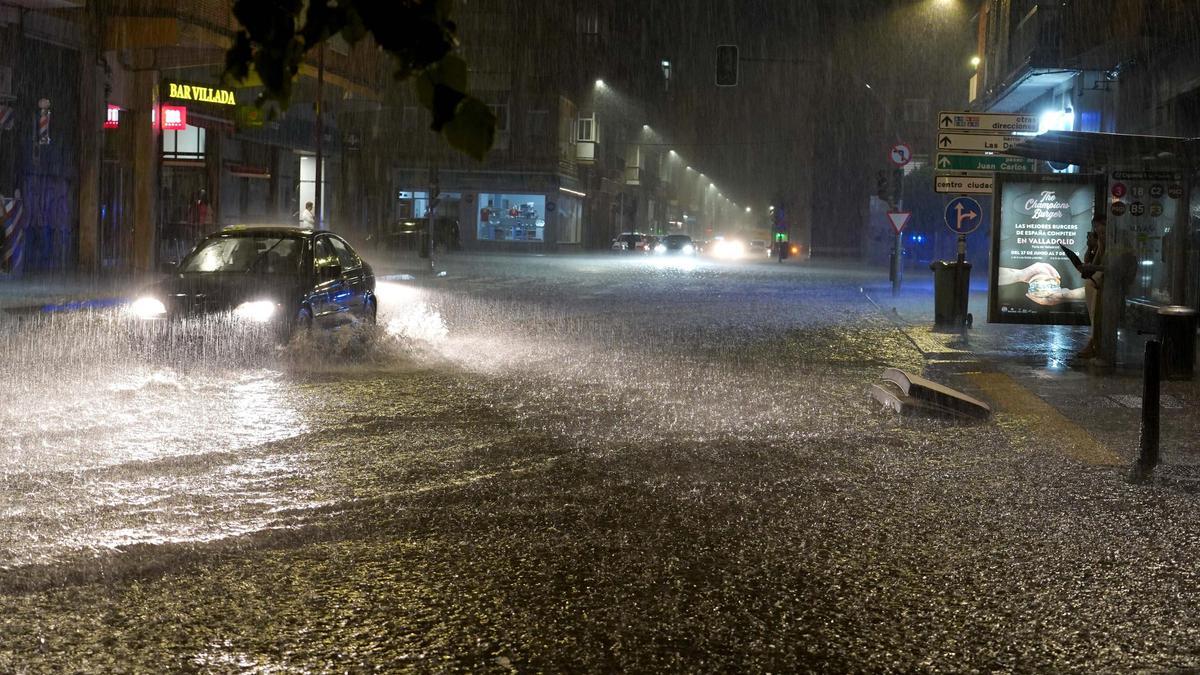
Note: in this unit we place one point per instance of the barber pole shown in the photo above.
(12, 220)
(43, 121)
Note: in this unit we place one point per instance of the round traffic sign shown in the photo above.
(901, 154)
(963, 215)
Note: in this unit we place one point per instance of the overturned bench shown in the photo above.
(909, 394)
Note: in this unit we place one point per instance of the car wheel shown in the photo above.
(370, 310)
(303, 322)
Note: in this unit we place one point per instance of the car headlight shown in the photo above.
(660, 248)
(147, 308)
(688, 249)
(260, 311)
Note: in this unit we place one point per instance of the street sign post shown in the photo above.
(963, 215)
(984, 163)
(964, 184)
(994, 123)
(973, 143)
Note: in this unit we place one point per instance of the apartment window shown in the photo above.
(916, 110)
(588, 21)
(538, 123)
(586, 129)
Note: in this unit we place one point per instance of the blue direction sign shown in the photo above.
(964, 215)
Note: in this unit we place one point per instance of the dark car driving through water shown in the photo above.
(290, 278)
(675, 244)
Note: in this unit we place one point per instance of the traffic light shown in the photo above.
(727, 65)
(882, 189)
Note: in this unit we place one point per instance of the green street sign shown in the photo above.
(989, 163)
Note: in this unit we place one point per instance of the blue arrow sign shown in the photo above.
(964, 215)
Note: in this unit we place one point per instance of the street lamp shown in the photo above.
(599, 84)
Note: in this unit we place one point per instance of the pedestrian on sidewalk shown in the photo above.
(308, 218)
(1092, 270)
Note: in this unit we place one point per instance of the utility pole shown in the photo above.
(435, 192)
(896, 203)
(320, 138)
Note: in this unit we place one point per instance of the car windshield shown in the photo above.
(678, 239)
(267, 254)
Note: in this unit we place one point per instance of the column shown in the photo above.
(146, 160)
(92, 113)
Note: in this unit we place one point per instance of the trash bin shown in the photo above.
(1177, 332)
(950, 303)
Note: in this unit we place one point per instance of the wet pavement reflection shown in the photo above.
(572, 463)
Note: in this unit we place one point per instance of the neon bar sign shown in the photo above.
(194, 92)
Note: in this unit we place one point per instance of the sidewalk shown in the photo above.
(1030, 376)
(66, 291)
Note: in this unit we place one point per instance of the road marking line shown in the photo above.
(1042, 420)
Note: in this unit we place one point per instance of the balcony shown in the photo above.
(1026, 63)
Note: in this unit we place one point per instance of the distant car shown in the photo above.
(676, 244)
(758, 247)
(405, 235)
(632, 242)
(726, 249)
(291, 278)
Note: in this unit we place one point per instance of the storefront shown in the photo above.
(489, 214)
(39, 153)
(193, 119)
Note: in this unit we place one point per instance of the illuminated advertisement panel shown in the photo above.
(1032, 278)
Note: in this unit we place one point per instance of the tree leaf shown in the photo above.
(473, 128)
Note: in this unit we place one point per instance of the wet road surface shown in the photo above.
(573, 463)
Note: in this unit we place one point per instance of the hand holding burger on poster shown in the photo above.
(1043, 280)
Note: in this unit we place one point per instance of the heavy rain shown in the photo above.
(599, 335)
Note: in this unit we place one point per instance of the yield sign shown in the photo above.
(899, 219)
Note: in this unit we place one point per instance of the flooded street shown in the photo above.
(602, 463)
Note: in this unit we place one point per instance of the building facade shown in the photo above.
(123, 147)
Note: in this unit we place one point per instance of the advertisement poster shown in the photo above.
(1032, 279)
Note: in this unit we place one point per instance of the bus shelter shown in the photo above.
(1147, 189)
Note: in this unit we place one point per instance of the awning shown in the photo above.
(1032, 84)
(1094, 150)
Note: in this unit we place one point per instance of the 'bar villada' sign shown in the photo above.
(200, 94)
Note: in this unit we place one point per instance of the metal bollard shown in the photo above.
(1148, 456)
